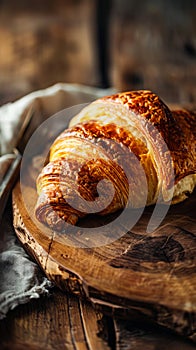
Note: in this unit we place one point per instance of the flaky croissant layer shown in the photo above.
(127, 149)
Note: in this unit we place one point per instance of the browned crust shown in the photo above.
(61, 181)
(94, 131)
(134, 149)
(177, 129)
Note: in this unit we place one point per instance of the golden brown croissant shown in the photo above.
(130, 140)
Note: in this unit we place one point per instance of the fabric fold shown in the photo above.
(21, 278)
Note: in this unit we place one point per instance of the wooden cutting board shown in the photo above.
(152, 276)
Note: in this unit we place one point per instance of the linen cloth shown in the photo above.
(21, 278)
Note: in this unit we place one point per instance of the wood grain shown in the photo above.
(46, 43)
(150, 43)
(153, 275)
(53, 323)
(62, 321)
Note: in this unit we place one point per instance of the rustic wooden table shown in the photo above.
(62, 321)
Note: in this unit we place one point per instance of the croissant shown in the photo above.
(157, 146)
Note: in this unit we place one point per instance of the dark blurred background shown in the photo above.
(126, 44)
